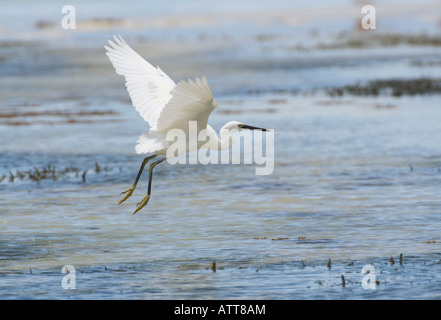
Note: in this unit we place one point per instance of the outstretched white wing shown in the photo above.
(149, 87)
(159, 101)
(190, 101)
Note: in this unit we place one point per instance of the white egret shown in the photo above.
(165, 105)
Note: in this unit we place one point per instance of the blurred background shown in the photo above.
(356, 117)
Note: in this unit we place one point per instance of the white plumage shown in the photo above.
(165, 105)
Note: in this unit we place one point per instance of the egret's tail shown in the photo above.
(150, 143)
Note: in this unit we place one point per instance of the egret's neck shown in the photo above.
(225, 139)
(222, 142)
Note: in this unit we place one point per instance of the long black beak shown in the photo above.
(245, 126)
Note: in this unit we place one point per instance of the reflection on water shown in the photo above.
(356, 177)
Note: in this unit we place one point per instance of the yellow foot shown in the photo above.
(129, 193)
(142, 204)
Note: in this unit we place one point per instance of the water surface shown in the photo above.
(356, 179)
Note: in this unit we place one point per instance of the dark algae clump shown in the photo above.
(394, 87)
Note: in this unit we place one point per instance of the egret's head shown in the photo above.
(243, 126)
(227, 131)
(236, 125)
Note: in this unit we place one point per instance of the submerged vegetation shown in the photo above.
(359, 40)
(53, 117)
(50, 173)
(383, 40)
(394, 87)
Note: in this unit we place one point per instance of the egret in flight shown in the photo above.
(165, 105)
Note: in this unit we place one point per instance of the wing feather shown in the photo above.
(160, 102)
(191, 100)
(148, 87)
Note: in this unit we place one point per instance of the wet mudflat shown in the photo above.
(357, 159)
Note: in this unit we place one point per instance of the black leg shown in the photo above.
(154, 164)
(146, 199)
(133, 187)
(144, 162)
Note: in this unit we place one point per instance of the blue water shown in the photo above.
(356, 179)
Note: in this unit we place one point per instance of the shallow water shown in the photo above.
(356, 179)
